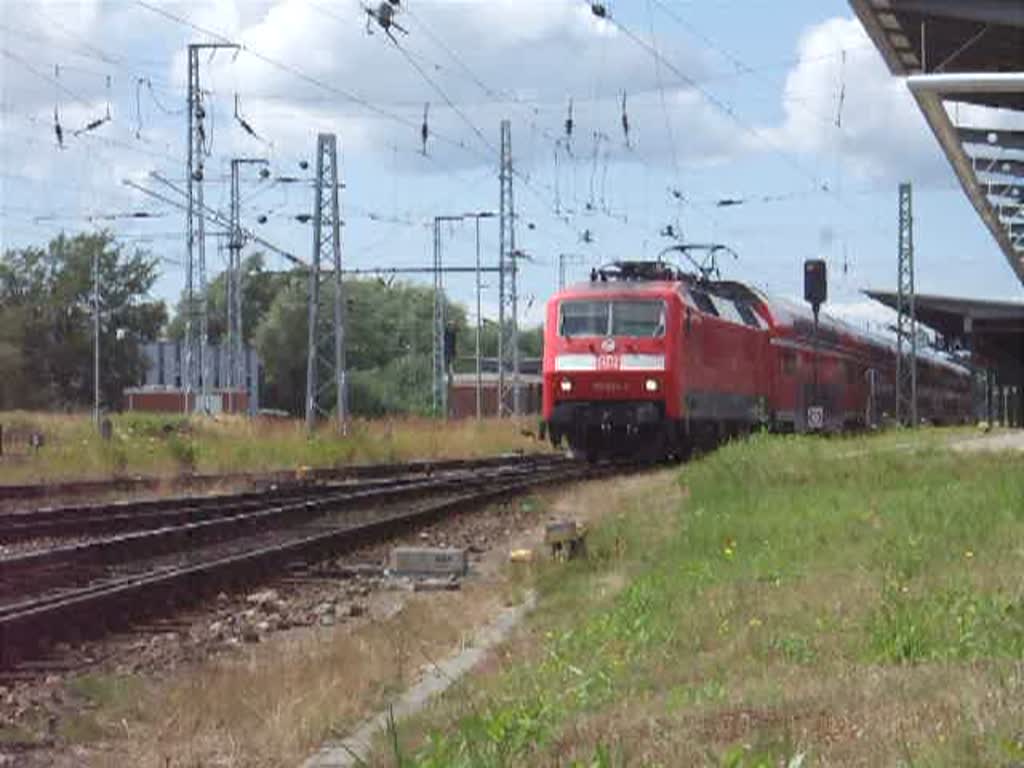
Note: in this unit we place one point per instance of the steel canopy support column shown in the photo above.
(906, 324)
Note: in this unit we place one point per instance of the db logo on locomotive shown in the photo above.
(608, 361)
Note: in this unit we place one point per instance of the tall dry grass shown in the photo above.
(166, 445)
(277, 704)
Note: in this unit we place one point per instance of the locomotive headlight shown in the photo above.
(651, 385)
(565, 385)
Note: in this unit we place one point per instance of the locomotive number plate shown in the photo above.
(608, 363)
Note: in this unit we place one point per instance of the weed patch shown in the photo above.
(956, 623)
(786, 600)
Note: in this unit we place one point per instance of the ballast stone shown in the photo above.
(429, 561)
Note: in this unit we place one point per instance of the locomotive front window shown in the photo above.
(638, 318)
(584, 318)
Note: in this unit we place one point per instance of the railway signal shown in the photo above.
(815, 284)
(815, 293)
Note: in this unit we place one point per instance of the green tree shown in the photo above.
(280, 341)
(389, 337)
(46, 313)
(389, 343)
(15, 382)
(259, 288)
(531, 344)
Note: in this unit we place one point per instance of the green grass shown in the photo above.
(786, 599)
(168, 444)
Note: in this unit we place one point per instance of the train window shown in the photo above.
(748, 314)
(726, 310)
(584, 318)
(638, 318)
(788, 361)
(704, 303)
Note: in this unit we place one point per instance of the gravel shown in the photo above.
(34, 700)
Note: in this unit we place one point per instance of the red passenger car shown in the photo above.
(645, 359)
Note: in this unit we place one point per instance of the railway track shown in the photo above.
(71, 593)
(200, 482)
(103, 518)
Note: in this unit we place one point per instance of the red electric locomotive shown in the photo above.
(647, 360)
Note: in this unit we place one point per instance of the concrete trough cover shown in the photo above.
(429, 561)
(562, 531)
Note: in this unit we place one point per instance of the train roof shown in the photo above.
(798, 316)
(652, 286)
(655, 278)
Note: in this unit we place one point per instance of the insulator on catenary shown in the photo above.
(625, 120)
(57, 129)
(244, 123)
(425, 129)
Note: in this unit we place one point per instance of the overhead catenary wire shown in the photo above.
(488, 90)
(90, 137)
(661, 97)
(444, 95)
(539, 180)
(711, 98)
(92, 125)
(297, 73)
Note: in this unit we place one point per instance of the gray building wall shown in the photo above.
(165, 362)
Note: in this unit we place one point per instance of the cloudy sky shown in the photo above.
(784, 109)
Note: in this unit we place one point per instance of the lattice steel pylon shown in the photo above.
(508, 297)
(325, 360)
(440, 405)
(906, 322)
(236, 241)
(440, 362)
(195, 219)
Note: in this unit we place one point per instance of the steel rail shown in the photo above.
(157, 483)
(128, 516)
(58, 565)
(95, 609)
(119, 517)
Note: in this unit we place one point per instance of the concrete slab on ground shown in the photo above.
(429, 561)
(1004, 441)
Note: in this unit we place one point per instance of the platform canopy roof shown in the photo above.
(995, 328)
(966, 52)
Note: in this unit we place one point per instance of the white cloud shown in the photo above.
(881, 132)
(536, 58)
